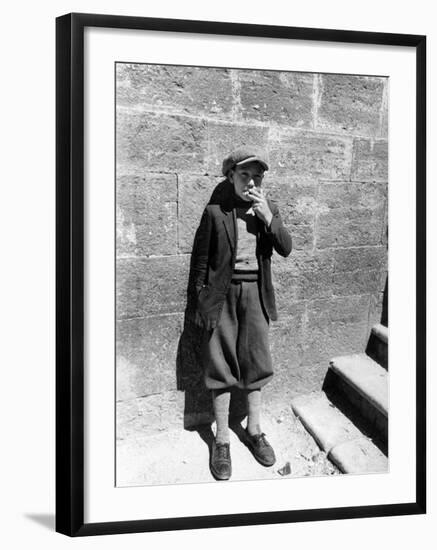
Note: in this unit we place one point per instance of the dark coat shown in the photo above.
(214, 253)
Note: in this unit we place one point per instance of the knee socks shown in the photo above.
(253, 411)
(220, 402)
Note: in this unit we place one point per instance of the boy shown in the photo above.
(234, 298)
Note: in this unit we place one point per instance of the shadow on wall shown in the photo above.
(189, 366)
(197, 408)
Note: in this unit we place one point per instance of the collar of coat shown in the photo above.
(224, 196)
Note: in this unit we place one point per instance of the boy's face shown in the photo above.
(245, 178)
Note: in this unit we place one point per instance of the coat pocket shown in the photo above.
(209, 303)
(201, 289)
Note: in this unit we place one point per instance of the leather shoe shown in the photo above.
(221, 467)
(261, 448)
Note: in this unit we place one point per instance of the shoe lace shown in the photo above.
(222, 450)
(260, 440)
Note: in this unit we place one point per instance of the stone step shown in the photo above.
(377, 347)
(346, 445)
(365, 384)
(365, 375)
(359, 456)
(381, 332)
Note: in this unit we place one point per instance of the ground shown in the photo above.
(182, 456)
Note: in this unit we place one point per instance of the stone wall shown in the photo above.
(326, 137)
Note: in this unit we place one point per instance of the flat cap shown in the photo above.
(244, 155)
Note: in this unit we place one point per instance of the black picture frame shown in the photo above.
(70, 273)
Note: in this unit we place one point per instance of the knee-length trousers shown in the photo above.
(236, 352)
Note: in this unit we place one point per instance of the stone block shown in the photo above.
(146, 353)
(363, 258)
(146, 215)
(381, 333)
(342, 310)
(160, 143)
(283, 97)
(151, 286)
(346, 195)
(370, 160)
(365, 376)
(356, 282)
(286, 337)
(384, 236)
(335, 326)
(310, 156)
(383, 129)
(175, 89)
(377, 304)
(225, 137)
(321, 343)
(298, 207)
(298, 204)
(349, 227)
(302, 236)
(384, 124)
(302, 276)
(324, 421)
(350, 104)
(359, 456)
(371, 421)
(293, 379)
(194, 195)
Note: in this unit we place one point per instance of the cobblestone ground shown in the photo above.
(182, 456)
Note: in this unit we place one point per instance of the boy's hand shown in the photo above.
(260, 205)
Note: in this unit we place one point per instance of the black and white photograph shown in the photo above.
(251, 268)
(218, 287)
(240, 274)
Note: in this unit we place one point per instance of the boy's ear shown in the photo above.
(231, 175)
